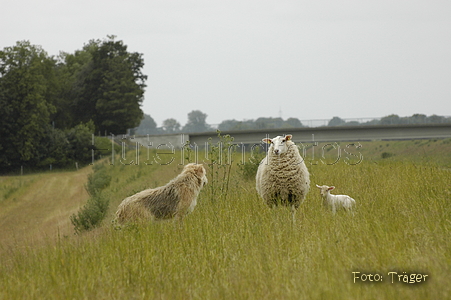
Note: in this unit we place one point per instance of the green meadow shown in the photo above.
(396, 244)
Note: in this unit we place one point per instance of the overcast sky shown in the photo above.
(248, 59)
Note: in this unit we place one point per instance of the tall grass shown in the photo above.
(12, 185)
(219, 159)
(238, 248)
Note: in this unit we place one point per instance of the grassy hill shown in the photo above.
(35, 207)
(232, 246)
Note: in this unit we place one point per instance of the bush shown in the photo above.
(249, 169)
(386, 154)
(94, 211)
(103, 147)
(79, 139)
(91, 215)
(53, 148)
(98, 180)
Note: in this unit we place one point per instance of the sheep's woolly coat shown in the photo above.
(176, 199)
(283, 178)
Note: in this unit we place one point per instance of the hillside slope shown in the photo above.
(41, 207)
(33, 207)
(232, 246)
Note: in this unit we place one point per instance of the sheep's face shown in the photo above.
(278, 144)
(324, 189)
(199, 171)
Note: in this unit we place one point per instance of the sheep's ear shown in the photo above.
(331, 188)
(288, 137)
(267, 140)
(318, 186)
(200, 171)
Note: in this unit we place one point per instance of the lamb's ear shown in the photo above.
(288, 137)
(318, 186)
(331, 188)
(267, 141)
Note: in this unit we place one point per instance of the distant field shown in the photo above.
(416, 151)
(233, 246)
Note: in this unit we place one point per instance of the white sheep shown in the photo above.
(335, 201)
(282, 177)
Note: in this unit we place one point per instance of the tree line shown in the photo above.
(51, 106)
(393, 120)
(197, 123)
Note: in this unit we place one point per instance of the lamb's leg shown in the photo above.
(351, 210)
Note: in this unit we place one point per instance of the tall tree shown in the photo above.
(293, 122)
(147, 126)
(112, 90)
(26, 95)
(336, 121)
(263, 123)
(390, 120)
(171, 126)
(72, 70)
(229, 125)
(196, 122)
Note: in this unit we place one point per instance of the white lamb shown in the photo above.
(335, 201)
(282, 177)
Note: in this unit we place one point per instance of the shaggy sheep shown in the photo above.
(335, 201)
(174, 200)
(282, 177)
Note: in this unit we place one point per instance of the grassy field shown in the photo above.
(234, 247)
(37, 207)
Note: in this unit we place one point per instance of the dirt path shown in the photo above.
(43, 209)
